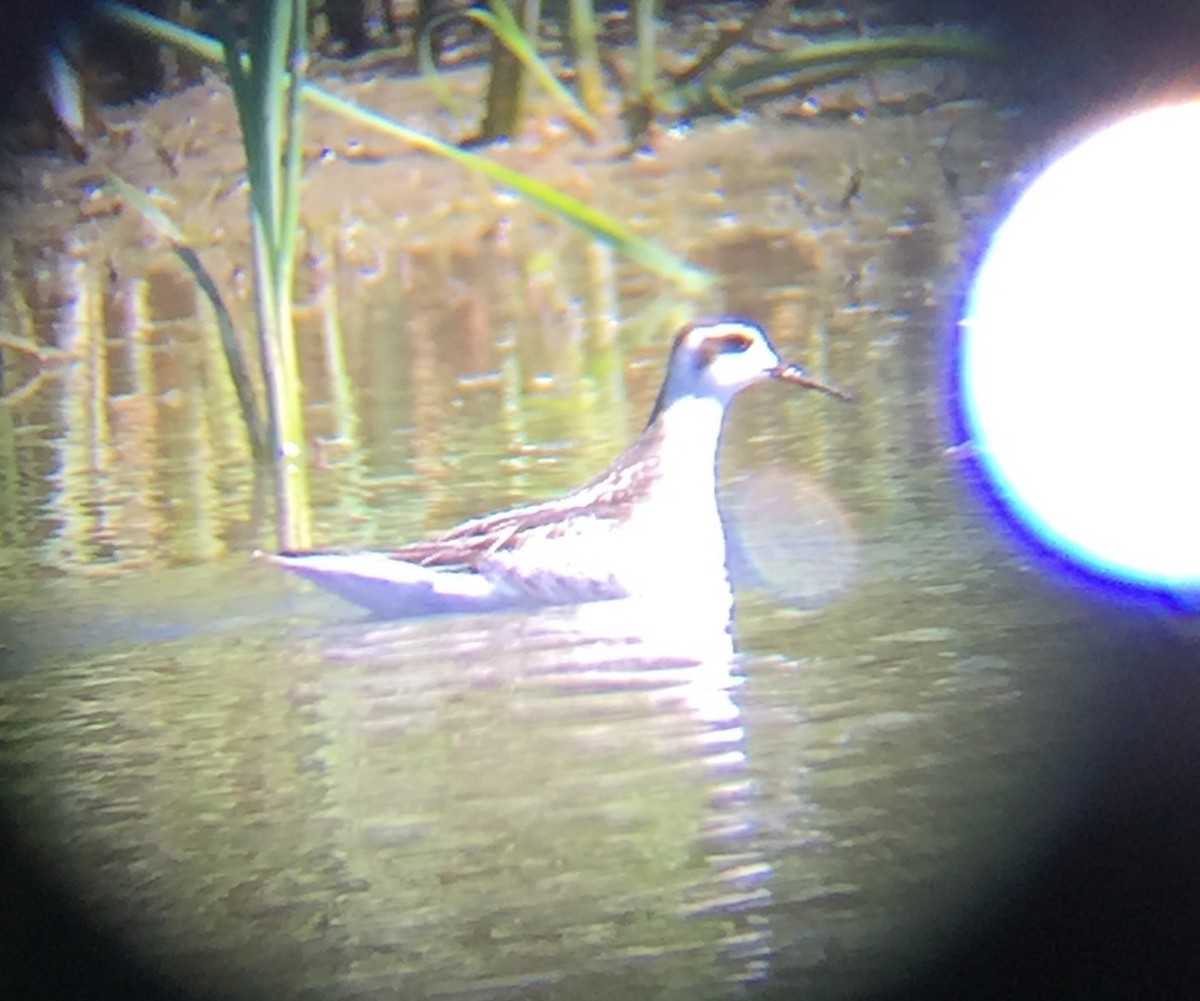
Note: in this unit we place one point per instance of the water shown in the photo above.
(254, 789)
(517, 804)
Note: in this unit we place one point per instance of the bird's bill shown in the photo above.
(799, 377)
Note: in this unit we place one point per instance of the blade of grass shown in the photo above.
(427, 64)
(235, 358)
(641, 106)
(800, 82)
(581, 215)
(709, 92)
(287, 67)
(266, 93)
(645, 72)
(500, 20)
(504, 101)
(60, 83)
(575, 212)
(293, 161)
(728, 39)
(588, 76)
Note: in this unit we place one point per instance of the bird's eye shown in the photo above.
(735, 344)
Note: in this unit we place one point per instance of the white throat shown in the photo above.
(691, 433)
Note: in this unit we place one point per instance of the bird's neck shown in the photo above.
(689, 432)
(681, 524)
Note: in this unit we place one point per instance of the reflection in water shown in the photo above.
(589, 801)
(450, 332)
(610, 770)
(553, 802)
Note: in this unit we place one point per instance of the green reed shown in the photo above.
(585, 51)
(576, 213)
(166, 228)
(514, 57)
(838, 59)
(266, 75)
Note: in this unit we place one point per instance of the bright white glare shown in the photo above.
(1081, 353)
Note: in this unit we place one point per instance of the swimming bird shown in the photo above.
(646, 527)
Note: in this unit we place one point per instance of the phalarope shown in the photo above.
(647, 526)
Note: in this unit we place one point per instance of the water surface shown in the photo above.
(252, 786)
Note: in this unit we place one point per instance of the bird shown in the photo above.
(648, 526)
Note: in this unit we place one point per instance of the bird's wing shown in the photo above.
(607, 498)
(474, 541)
